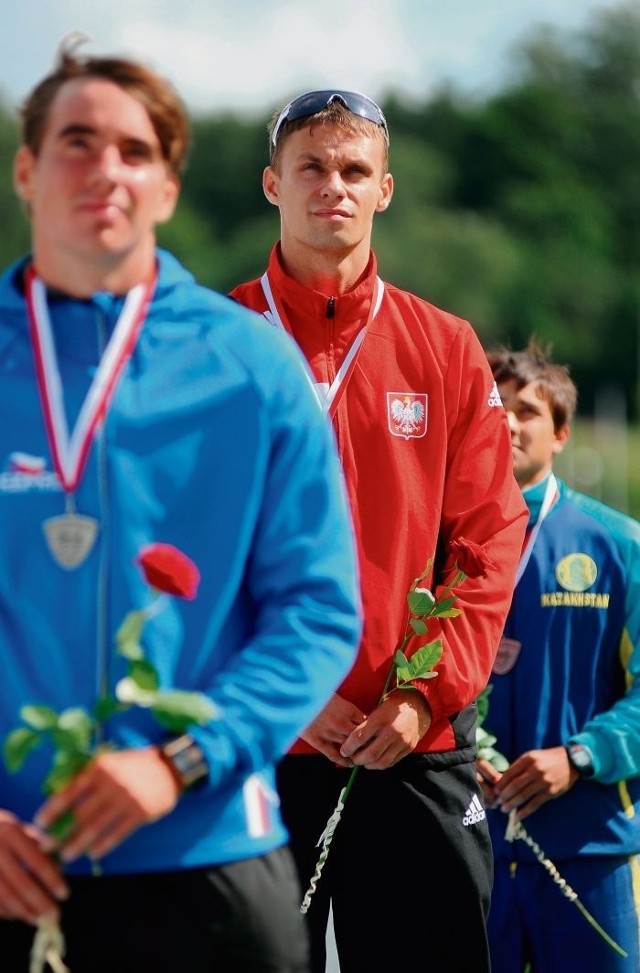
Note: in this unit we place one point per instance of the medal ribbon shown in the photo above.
(550, 495)
(69, 453)
(338, 387)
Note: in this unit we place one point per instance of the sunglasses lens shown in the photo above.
(314, 101)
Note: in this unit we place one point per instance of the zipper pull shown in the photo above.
(331, 308)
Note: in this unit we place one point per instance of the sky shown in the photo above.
(249, 56)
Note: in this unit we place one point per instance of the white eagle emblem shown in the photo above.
(407, 414)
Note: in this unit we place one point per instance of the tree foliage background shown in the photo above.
(520, 211)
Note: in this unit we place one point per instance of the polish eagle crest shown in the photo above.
(407, 414)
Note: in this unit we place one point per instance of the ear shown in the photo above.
(168, 202)
(270, 182)
(561, 438)
(386, 192)
(23, 169)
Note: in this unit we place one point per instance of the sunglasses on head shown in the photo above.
(314, 101)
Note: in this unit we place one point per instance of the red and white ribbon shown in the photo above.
(69, 452)
(329, 397)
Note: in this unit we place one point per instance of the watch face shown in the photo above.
(580, 758)
(187, 759)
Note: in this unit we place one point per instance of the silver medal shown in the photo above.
(70, 538)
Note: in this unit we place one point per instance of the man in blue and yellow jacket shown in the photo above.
(565, 704)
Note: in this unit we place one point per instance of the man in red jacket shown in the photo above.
(426, 454)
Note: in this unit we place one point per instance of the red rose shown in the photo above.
(168, 569)
(471, 558)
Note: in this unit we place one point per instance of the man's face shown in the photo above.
(99, 184)
(328, 185)
(534, 441)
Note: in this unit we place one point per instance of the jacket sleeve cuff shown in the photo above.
(425, 688)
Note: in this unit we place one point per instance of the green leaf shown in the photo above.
(177, 710)
(444, 607)
(39, 717)
(499, 761)
(130, 649)
(62, 827)
(421, 663)
(418, 625)
(494, 757)
(18, 745)
(67, 763)
(75, 719)
(420, 601)
(483, 738)
(144, 674)
(129, 692)
(405, 676)
(128, 635)
(106, 707)
(400, 659)
(74, 729)
(425, 658)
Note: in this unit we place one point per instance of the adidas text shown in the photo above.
(475, 813)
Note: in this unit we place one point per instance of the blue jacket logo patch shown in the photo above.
(576, 572)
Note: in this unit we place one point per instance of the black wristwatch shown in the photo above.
(580, 759)
(187, 760)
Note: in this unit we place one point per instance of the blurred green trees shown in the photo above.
(519, 211)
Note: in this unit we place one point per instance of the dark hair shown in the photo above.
(162, 103)
(534, 364)
(334, 113)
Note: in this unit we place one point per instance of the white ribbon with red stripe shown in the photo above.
(329, 396)
(70, 452)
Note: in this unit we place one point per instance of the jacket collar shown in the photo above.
(312, 309)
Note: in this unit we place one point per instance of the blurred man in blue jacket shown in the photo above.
(565, 703)
(192, 424)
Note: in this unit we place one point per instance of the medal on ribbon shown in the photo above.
(70, 536)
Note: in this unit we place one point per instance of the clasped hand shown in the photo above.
(349, 737)
(530, 781)
(112, 797)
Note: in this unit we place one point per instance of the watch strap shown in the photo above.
(186, 758)
(581, 759)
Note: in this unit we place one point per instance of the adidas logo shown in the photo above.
(494, 397)
(474, 813)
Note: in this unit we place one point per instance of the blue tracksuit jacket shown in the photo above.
(214, 442)
(576, 611)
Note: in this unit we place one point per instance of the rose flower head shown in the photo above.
(167, 569)
(471, 558)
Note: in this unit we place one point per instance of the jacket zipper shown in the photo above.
(102, 646)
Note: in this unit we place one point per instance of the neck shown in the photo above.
(82, 278)
(534, 496)
(331, 273)
(534, 481)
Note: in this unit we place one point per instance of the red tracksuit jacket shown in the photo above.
(426, 452)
